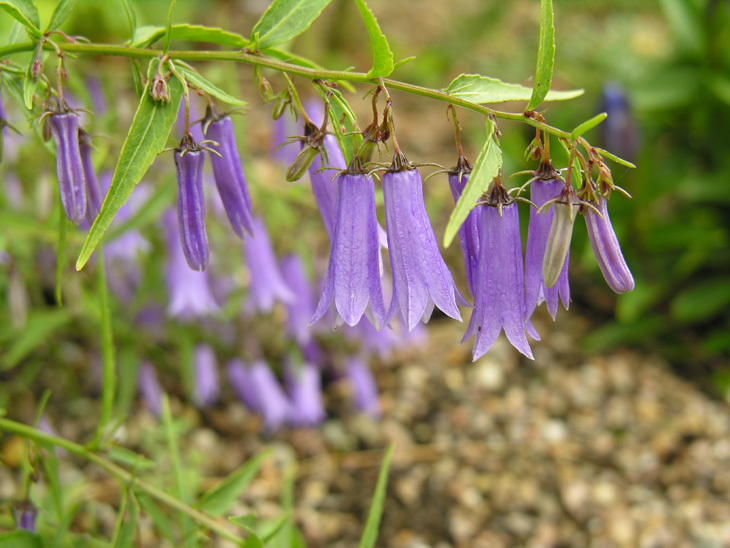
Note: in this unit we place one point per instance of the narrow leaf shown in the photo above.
(129, 458)
(131, 16)
(482, 89)
(587, 125)
(617, 159)
(545, 55)
(60, 253)
(108, 373)
(285, 19)
(61, 13)
(485, 170)
(20, 539)
(195, 79)
(219, 499)
(168, 26)
(39, 328)
(146, 138)
(29, 83)
(25, 12)
(382, 55)
(162, 523)
(145, 36)
(341, 115)
(370, 534)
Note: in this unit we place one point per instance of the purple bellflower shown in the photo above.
(301, 309)
(267, 283)
(25, 517)
(500, 299)
(469, 231)
(190, 294)
(149, 388)
(189, 159)
(364, 389)
(352, 286)
(239, 377)
(69, 167)
(305, 391)
(259, 390)
(543, 189)
(285, 126)
(607, 249)
(207, 385)
(93, 188)
(421, 278)
(619, 133)
(228, 171)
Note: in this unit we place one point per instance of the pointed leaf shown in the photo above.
(25, 12)
(382, 55)
(285, 19)
(246, 522)
(146, 138)
(482, 89)
(545, 55)
(131, 16)
(617, 159)
(485, 170)
(195, 79)
(144, 36)
(587, 125)
(61, 13)
(219, 499)
(342, 115)
(370, 534)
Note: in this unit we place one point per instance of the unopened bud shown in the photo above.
(265, 89)
(159, 90)
(301, 163)
(36, 69)
(558, 242)
(282, 101)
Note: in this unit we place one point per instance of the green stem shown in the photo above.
(306, 72)
(121, 474)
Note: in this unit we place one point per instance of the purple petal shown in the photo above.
(468, 232)
(301, 309)
(365, 391)
(207, 386)
(69, 168)
(191, 207)
(93, 188)
(271, 401)
(149, 388)
(324, 187)
(607, 249)
(240, 379)
(305, 390)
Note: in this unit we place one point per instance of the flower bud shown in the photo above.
(265, 90)
(558, 241)
(607, 249)
(301, 163)
(282, 101)
(64, 127)
(159, 90)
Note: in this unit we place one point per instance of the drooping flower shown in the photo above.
(189, 159)
(69, 168)
(500, 298)
(365, 391)
(93, 188)
(285, 126)
(207, 386)
(352, 286)
(469, 230)
(607, 249)
(260, 391)
(190, 294)
(25, 517)
(421, 279)
(300, 310)
(536, 290)
(619, 132)
(149, 388)
(305, 391)
(238, 376)
(267, 283)
(228, 171)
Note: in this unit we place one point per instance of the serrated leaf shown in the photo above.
(485, 170)
(20, 539)
(545, 55)
(382, 55)
(219, 499)
(194, 78)
(285, 19)
(144, 36)
(147, 137)
(370, 533)
(587, 125)
(482, 90)
(25, 12)
(61, 13)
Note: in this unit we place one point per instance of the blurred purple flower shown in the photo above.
(305, 391)
(365, 391)
(25, 517)
(352, 286)
(228, 172)
(240, 379)
(96, 94)
(300, 310)
(536, 291)
(619, 132)
(149, 388)
(258, 388)
(500, 298)
(468, 231)
(93, 188)
(65, 129)
(267, 283)
(421, 278)
(607, 250)
(189, 160)
(207, 386)
(45, 425)
(285, 126)
(190, 294)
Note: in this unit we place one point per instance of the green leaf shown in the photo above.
(219, 499)
(20, 539)
(274, 527)
(162, 523)
(131, 16)
(370, 533)
(144, 36)
(124, 532)
(485, 170)
(147, 137)
(168, 26)
(40, 327)
(545, 55)
(382, 55)
(482, 89)
(25, 12)
(61, 13)
(129, 458)
(60, 252)
(285, 19)
(587, 125)
(618, 160)
(342, 115)
(195, 79)
(685, 21)
(248, 524)
(702, 301)
(29, 83)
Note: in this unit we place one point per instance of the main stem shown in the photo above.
(306, 72)
(121, 474)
